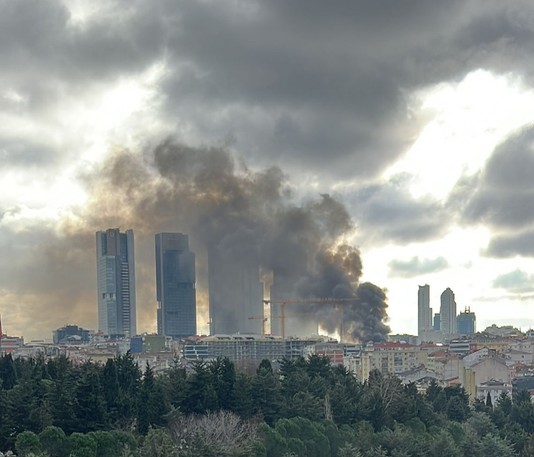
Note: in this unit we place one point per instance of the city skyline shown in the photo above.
(402, 130)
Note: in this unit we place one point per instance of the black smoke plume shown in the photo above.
(250, 216)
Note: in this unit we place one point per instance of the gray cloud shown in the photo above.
(316, 88)
(512, 244)
(515, 281)
(416, 266)
(504, 197)
(389, 212)
(501, 196)
(26, 154)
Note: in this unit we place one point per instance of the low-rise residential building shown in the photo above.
(391, 358)
(447, 366)
(10, 344)
(494, 388)
(489, 368)
(71, 334)
(254, 348)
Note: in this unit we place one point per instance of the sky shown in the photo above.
(416, 115)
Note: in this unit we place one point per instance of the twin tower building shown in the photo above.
(175, 284)
(235, 288)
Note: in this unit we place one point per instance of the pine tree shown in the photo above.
(90, 405)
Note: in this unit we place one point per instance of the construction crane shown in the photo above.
(294, 301)
(263, 320)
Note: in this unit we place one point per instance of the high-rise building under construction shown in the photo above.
(175, 286)
(235, 292)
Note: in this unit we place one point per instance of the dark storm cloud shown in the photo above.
(328, 84)
(501, 196)
(416, 266)
(40, 42)
(515, 281)
(504, 197)
(388, 212)
(315, 87)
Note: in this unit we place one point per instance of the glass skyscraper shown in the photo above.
(448, 312)
(175, 286)
(424, 311)
(116, 282)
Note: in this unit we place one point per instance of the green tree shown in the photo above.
(297, 380)
(243, 399)
(23, 411)
(275, 443)
(106, 444)
(27, 444)
(90, 405)
(82, 445)
(514, 434)
(489, 401)
(158, 443)
(522, 411)
(345, 400)
(8, 373)
(129, 376)
(126, 442)
(493, 446)
(266, 392)
(304, 404)
(443, 445)
(54, 442)
(176, 384)
(110, 384)
(201, 396)
(457, 403)
(62, 401)
(480, 424)
(152, 404)
(224, 379)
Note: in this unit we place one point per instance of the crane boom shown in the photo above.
(293, 301)
(263, 320)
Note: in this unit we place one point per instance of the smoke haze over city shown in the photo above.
(357, 149)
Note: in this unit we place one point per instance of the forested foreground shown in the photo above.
(306, 408)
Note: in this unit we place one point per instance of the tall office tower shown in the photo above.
(235, 292)
(175, 286)
(448, 312)
(466, 322)
(116, 282)
(437, 321)
(424, 311)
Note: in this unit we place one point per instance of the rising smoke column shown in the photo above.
(248, 215)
